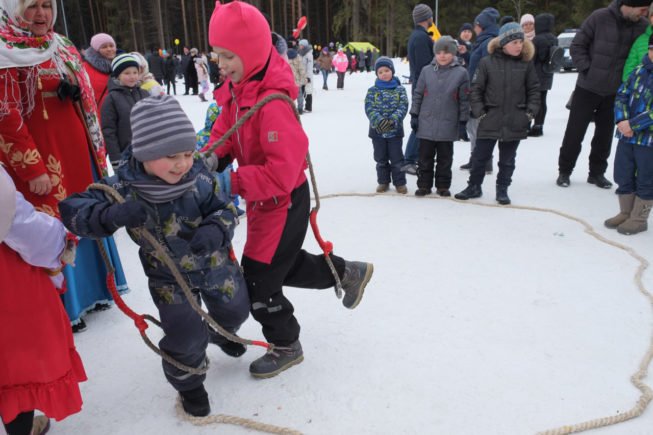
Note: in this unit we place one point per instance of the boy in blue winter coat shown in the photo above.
(633, 163)
(175, 198)
(440, 105)
(386, 105)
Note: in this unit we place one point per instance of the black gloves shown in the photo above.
(207, 238)
(414, 122)
(130, 214)
(385, 126)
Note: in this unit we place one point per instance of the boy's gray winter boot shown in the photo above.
(626, 202)
(636, 223)
(502, 195)
(357, 275)
(277, 360)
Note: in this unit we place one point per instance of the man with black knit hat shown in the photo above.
(420, 54)
(599, 51)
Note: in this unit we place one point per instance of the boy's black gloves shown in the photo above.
(385, 126)
(414, 122)
(130, 214)
(207, 238)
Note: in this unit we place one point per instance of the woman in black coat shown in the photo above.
(543, 41)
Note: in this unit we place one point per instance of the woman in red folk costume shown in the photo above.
(271, 150)
(50, 138)
(39, 366)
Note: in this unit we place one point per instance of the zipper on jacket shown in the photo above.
(233, 97)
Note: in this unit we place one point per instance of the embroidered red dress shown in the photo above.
(63, 151)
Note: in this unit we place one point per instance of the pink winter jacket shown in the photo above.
(270, 148)
(340, 62)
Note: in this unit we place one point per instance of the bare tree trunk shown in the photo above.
(285, 15)
(389, 29)
(90, 7)
(81, 21)
(183, 18)
(205, 35)
(159, 18)
(326, 15)
(198, 32)
(293, 17)
(133, 25)
(141, 22)
(355, 19)
(272, 23)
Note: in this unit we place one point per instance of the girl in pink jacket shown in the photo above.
(340, 62)
(271, 150)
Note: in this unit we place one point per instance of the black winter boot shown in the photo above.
(196, 402)
(502, 195)
(422, 191)
(229, 347)
(471, 191)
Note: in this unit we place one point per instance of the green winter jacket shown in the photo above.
(637, 52)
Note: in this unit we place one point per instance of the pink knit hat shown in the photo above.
(100, 39)
(240, 28)
(526, 18)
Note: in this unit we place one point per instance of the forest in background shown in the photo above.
(143, 25)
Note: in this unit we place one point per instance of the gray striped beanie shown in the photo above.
(160, 128)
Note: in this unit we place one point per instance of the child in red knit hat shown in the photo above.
(271, 150)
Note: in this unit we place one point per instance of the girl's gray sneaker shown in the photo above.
(357, 275)
(277, 360)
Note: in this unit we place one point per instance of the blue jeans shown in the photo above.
(633, 170)
(325, 76)
(412, 149)
(389, 159)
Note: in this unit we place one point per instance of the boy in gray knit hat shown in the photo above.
(175, 198)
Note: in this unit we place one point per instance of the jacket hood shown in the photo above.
(275, 77)
(114, 86)
(455, 62)
(544, 23)
(527, 52)
(97, 61)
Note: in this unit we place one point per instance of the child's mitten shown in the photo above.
(385, 125)
(130, 214)
(207, 238)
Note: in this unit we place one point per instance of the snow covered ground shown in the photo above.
(478, 320)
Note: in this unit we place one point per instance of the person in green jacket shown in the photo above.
(639, 48)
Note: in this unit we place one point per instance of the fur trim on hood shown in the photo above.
(97, 61)
(527, 52)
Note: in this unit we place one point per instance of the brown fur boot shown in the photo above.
(626, 202)
(636, 223)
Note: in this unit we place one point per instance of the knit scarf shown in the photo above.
(155, 190)
(20, 49)
(392, 84)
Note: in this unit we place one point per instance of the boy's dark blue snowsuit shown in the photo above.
(214, 276)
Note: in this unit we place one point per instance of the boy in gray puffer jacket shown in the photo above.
(440, 106)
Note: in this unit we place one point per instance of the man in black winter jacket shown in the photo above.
(420, 54)
(599, 51)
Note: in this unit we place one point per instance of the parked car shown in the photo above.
(564, 41)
